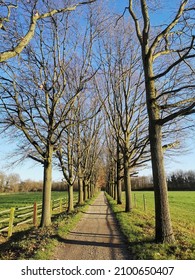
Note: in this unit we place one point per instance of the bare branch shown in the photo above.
(133, 15)
(182, 112)
(178, 61)
(169, 27)
(172, 91)
(29, 35)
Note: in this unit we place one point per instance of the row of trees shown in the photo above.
(162, 67)
(91, 73)
(45, 100)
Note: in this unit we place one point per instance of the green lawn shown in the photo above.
(138, 226)
(22, 199)
(180, 202)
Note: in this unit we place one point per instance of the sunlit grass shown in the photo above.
(138, 226)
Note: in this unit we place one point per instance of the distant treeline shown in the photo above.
(178, 180)
(13, 183)
(181, 180)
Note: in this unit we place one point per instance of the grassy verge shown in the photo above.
(38, 243)
(138, 227)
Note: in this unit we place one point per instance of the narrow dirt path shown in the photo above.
(95, 237)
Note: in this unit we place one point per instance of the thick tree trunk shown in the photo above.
(127, 185)
(70, 176)
(46, 198)
(163, 227)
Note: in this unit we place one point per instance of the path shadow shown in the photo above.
(94, 213)
(93, 234)
(98, 205)
(88, 243)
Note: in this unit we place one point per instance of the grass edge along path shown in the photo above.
(138, 228)
(38, 243)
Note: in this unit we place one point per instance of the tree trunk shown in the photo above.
(46, 198)
(119, 186)
(80, 185)
(70, 198)
(127, 185)
(70, 176)
(115, 191)
(89, 190)
(113, 181)
(163, 227)
(85, 184)
(80, 177)
(119, 191)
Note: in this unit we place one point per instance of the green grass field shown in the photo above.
(182, 205)
(138, 226)
(23, 199)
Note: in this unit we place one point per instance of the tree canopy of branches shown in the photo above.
(120, 87)
(37, 98)
(35, 10)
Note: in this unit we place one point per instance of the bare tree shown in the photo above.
(34, 101)
(167, 53)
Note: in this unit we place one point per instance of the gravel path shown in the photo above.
(95, 237)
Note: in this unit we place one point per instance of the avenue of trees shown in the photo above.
(97, 94)
(176, 181)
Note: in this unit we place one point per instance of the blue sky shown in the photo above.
(27, 170)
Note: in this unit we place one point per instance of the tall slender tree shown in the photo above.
(167, 53)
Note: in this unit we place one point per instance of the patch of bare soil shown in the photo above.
(96, 236)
